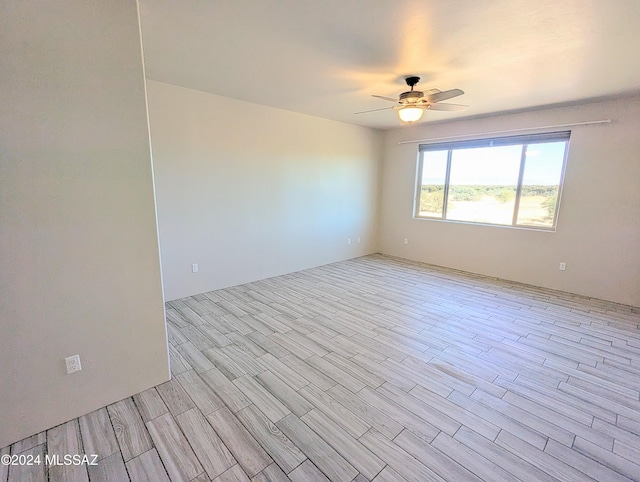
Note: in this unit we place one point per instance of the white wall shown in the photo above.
(249, 192)
(79, 262)
(598, 232)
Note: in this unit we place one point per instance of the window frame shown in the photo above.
(523, 141)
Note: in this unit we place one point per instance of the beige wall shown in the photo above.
(598, 232)
(249, 192)
(79, 263)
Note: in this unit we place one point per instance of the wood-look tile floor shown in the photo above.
(374, 369)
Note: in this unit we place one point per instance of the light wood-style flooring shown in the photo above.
(374, 369)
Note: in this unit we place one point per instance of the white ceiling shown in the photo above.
(326, 57)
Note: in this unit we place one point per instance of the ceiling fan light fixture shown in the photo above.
(409, 115)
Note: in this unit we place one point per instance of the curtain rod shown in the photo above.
(574, 124)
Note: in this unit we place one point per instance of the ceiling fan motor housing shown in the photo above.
(411, 97)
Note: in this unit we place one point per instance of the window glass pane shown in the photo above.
(542, 172)
(479, 183)
(482, 184)
(434, 171)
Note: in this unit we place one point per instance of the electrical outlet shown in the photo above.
(406, 241)
(73, 364)
(348, 240)
(194, 268)
(358, 240)
(563, 266)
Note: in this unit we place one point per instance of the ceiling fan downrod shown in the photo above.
(411, 96)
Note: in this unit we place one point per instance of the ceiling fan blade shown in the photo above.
(447, 94)
(447, 107)
(385, 98)
(372, 110)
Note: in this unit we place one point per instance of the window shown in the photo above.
(512, 181)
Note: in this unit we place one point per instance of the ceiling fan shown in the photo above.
(412, 104)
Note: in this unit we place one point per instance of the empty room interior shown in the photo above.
(333, 240)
